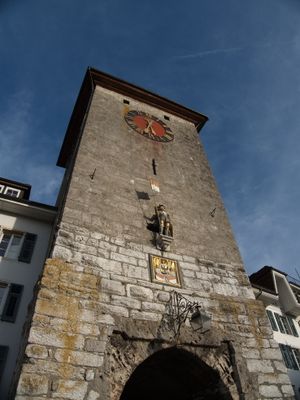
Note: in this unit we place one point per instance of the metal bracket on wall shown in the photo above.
(179, 309)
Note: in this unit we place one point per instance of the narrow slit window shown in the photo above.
(154, 166)
(3, 356)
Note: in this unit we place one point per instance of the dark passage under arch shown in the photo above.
(174, 374)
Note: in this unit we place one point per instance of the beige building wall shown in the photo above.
(21, 218)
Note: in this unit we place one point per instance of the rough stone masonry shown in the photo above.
(97, 315)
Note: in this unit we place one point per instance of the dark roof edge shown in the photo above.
(93, 78)
(20, 184)
(29, 202)
(278, 270)
(265, 270)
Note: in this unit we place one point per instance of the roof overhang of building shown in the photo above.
(95, 78)
(266, 296)
(287, 298)
(38, 211)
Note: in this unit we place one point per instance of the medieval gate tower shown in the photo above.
(144, 295)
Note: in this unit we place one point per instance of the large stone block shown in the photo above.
(125, 302)
(260, 366)
(114, 287)
(108, 265)
(73, 390)
(48, 337)
(136, 272)
(140, 292)
(287, 390)
(49, 367)
(93, 395)
(123, 258)
(153, 307)
(97, 346)
(145, 315)
(271, 354)
(33, 384)
(133, 253)
(74, 326)
(80, 358)
(36, 351)
(270, 391)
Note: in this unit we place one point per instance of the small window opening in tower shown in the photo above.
(126, 101)
(154, 166)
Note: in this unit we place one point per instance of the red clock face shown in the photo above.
(149, 126)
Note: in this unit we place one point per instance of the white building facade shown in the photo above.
(25, 229)
(280, 295)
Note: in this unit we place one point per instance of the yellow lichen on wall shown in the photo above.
(62, 288)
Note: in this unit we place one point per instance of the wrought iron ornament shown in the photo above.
(178, 310)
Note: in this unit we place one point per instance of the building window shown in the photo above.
(279, 322)
(272, 320)
(3, 293)
(291, 356)
(17, 245)
(10, 297)
(9, 191)
(285, 323)
(292, 326)
(10, 244)
(1, 188)
(3, 357)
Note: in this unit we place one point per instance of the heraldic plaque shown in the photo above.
(164, 270)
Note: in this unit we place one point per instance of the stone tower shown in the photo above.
(143, 250)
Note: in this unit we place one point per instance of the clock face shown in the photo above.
(149, 126)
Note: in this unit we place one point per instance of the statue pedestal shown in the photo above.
(163, 242)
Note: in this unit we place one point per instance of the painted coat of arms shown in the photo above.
(164, 270)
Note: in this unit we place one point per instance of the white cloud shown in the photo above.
(233, 49)
(210, 52)
(17, 157)
(14, 132)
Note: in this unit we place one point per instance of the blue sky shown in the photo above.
(237, 62)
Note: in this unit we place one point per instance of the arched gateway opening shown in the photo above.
(174, 374)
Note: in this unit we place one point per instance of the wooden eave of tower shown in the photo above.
(95, 78)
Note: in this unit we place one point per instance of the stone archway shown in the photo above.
(175, 374)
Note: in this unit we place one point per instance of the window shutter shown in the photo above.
(27, 247)
(286, 325)
(284, 355)
(287, 356)
(272, 320)
(12, 303)
(3, 356)
(4, 243)
(292, 326)
(297, 356)
(293, 361)
(279, 322)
